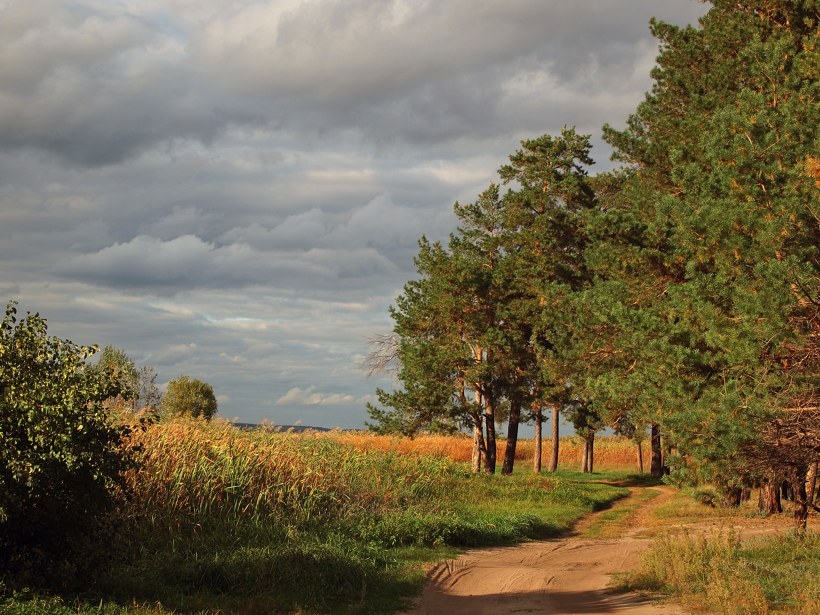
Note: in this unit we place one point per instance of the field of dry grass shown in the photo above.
(611, 452)
(219, 517)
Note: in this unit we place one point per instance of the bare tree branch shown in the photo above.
(383, 357)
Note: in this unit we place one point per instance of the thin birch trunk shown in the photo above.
(489, 428)
(656, 467)
(585, 457)
(512, 437)
(536, 457)
(554, 457)
(639, 456)
(591, 451)
(801, 501)
(811, 487)
(478, 445)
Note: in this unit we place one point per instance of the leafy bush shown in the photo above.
(189, 397)
(60, 454)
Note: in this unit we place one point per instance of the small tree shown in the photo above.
(60, 454)
(138, 384)
(189, 396)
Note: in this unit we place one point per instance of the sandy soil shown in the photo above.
(568, 575)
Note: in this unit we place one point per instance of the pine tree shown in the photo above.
(716, 290)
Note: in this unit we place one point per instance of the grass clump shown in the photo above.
(719, 573)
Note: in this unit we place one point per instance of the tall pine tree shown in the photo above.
(717, 287)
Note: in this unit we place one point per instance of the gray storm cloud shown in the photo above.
(235, 190)
(146, 264)
(95, 83)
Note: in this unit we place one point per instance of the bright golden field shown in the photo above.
(611, 452)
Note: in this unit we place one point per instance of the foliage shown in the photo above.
(495, 348)
(61, 457)
(709, 258)
(119, 367)
(189, 397)
(681, 291)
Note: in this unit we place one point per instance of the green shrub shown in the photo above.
(60, 454)
(189, 397)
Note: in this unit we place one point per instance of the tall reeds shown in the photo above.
(192, 469)
(611, 452)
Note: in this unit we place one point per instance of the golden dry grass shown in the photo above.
(193, 468)
(611, 452)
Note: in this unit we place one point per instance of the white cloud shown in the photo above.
(174, 353)
(311, 397)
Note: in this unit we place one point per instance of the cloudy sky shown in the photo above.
(234, 189)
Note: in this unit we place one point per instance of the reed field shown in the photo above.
(217, 519)
(611, 452)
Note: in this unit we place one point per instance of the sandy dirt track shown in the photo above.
(566, 575)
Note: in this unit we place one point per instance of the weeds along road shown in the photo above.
(561, 576)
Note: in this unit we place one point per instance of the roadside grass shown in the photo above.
(26, 603)
(696, 505)
(720, 573)
(227, 521)
(686, 506)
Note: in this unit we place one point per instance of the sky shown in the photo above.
(234, 189)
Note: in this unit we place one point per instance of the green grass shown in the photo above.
(300, 525)
(613, 522)
(719, 573)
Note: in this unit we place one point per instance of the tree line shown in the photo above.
(678, 294)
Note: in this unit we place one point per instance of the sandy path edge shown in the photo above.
(564, 575)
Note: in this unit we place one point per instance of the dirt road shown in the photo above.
(561, 576)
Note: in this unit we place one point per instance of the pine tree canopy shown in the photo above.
(680, 290)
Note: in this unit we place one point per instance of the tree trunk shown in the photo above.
(536, 456)
(639, 455)
(554, 456)
(512, 437)
(489, 426)
(656, 467)
(769, 499)
(731, 496)
(585, 457)
(478, 444)
(811, 487)
(591, 451)
(786, 490)
(801, 502)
